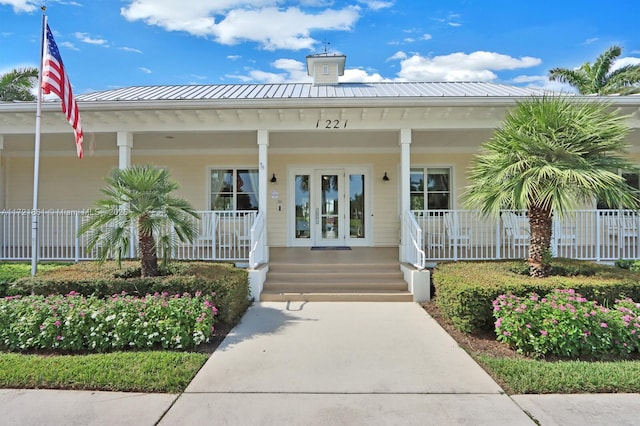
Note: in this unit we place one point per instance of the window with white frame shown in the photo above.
(430, 188)
(234, 189)
(633, 180)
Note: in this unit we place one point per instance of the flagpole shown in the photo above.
(36, 156)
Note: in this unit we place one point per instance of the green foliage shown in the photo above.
(9, 272)
(139, 198)
(134, 371)
(465, 290)
(566, 324)
(597, 78)
(16, 84)
(76, 323)
(230, 285)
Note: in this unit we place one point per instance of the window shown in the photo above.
(234, 189)
(436, 194)
(325, 69)
(633, 180)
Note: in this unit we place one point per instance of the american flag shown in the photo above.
(56, 81)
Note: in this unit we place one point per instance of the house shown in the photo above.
(283, 166)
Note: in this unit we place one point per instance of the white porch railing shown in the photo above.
(223, 235)
(601, 235)
(258, 241)
(413, 243)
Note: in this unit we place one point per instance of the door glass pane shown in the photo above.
(356, 206)
(303, 208)
(329, 207)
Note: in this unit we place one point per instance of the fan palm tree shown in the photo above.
(551, 155)
(16, 85)
(598, 78)
(139, 198)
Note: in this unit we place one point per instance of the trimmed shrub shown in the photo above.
(76, 323)
(230, 284)
(12, 271)
(566, 324)
(465, 290)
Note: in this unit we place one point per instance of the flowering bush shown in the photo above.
(566, 324)
(77, 323)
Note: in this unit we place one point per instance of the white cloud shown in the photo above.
(130, 49)
(376, 4)
(233, 57)
(399, 55)
(475, 66)
(68, 45)
(591, 40)
(21, 5)
(356, 75)
(233, 21)
(426, 36)
(630, 60)
(86, 38)
(530, 78)
(145, 70)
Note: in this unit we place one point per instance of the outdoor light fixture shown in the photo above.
(385, 178)
(274, 179)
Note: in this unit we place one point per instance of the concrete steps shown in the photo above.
(367, 282)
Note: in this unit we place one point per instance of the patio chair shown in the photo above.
(456, 234)
(516, 229)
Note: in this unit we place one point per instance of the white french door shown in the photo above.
(330, 207)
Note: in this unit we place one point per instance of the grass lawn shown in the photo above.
(145, 371)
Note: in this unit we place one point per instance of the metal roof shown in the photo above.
(309, 91)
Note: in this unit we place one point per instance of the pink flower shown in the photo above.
(57, 323)
(544, 332)
(528, 325)
(498, 322)
(603, 325)
(58, 337)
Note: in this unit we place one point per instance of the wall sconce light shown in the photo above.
(274, 179)
(385, 178)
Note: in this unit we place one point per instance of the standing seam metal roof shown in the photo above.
(308, 90)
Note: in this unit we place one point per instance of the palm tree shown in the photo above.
(139, 198)
(550, 156)
(16, 85)
(598, 78)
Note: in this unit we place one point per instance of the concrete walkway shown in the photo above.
(327, 364)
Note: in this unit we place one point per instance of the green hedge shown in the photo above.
(465, 290)
(230, 284)
(12, 271)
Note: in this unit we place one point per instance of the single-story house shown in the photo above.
(291, 166)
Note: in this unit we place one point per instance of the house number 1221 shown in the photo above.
(331, 124)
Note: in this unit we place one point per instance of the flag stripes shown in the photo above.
(56, 81)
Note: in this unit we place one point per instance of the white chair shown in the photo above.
(456, 234)
(516, 229)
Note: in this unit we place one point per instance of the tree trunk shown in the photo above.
(540, 221)
(148, 255)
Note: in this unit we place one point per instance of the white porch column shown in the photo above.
(263, 144)
(263, 171)
(405, 184)
(125, 143)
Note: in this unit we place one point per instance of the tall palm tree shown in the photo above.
(551, 155)
(16, 85)
(598, 78)
(139, 198)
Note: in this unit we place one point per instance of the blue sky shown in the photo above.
(116, 43)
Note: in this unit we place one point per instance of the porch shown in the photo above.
(427, 237)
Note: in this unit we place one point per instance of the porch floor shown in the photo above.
(360, 274)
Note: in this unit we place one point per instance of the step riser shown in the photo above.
(336, 297)
(332, 287)
(321, 269)
(334, 277)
